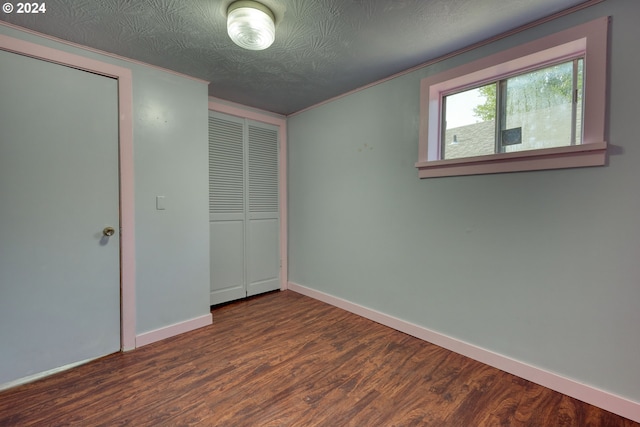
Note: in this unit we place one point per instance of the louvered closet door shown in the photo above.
(244, 217)
(226, 208)
(263, 226)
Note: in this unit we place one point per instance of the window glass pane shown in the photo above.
(469, 123)
(538, 109)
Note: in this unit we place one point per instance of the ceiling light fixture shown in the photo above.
(251, 25)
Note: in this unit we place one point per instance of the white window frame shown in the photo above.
(588, 40)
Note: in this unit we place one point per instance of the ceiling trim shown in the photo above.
(242, 110)
(457, 52)
(98, 51)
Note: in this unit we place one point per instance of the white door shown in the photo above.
(226, 208)
(243, 207)
(262, 212)
(59, 272)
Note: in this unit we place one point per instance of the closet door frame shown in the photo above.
(225, 107)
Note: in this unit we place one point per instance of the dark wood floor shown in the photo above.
(283, 359)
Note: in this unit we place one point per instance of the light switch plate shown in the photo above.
(160, 203)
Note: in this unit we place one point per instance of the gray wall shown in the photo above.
(170, 159)
(539, 266)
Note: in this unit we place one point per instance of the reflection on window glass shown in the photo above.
(579, 101)
(540, 106)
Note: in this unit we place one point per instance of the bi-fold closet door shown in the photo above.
(244, 214)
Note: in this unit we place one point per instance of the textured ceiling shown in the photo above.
(323, 48)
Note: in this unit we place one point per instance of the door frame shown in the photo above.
(125, 136)
(232, 109)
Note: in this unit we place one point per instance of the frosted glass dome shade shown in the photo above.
(251, 25)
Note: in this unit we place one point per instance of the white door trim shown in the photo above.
(125, 110)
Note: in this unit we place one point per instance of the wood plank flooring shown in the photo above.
(283, 359)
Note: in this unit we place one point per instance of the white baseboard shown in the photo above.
(602, 399)
(142, 339)
(40, 375)
(173, 330)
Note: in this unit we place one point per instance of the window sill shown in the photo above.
(592, 154)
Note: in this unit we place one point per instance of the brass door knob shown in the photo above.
(108, 231)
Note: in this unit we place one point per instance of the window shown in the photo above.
(537, 106)
(530, 111)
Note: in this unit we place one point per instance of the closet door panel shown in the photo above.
(264, 265)
(227, 261)
(263, 228)
(226, 208)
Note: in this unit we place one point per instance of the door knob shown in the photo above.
(108, 231)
